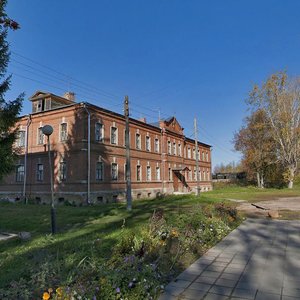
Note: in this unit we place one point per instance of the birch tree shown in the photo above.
(279, 98)
(257, 146)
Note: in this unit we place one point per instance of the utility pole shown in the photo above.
(197, 157)
(127, 142)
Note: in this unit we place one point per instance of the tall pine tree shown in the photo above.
(9, 110)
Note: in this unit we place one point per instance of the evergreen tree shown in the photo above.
(9, 110)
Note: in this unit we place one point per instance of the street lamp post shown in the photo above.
(48, 130)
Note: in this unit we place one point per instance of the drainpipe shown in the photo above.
(25, 157)
(89, 155)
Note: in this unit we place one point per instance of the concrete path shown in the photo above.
(259, 260)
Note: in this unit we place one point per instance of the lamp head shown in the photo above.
(47, 130)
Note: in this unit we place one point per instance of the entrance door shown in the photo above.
(175, 182)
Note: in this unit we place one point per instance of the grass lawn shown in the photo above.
(90, 234)
(251, 193)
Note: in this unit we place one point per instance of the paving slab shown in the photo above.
(259, 260)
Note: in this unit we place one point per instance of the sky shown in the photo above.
(191, 59)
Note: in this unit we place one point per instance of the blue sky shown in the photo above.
(184, 58)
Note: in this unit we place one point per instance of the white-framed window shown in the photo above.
(207, 174)
(138, 141)
(179, 150)
(195, 174)
(169, 148)
(174, 149)
(114, 135)
(20, 172)
(63, 132)
(62, 170)
(148, 143)
(206, 156)
(190, 175)
(199, 156)
(21, 138)
(200, 177)
(99, 171)
(40, 172)
(148, 173)
(203, 156)
(99, 132)
(194, 153)
(40, 136)
(138, 173)
(157, 173)
(125, 137)
(156, 145)
(114, 171)
(204, 177)
(189, 152)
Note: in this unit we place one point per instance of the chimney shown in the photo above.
(70, 96)
(143, 120)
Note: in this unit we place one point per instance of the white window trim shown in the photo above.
(156, 150)
(60, 132)
(148, 138)
(102, 132)
(140, 173)
(150, 177)
(114, 163)
(37, 137)
(138, 146)
(97, 179)
(117, 135)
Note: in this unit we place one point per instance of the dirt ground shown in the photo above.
(287, 207)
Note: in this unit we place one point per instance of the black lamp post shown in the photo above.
(48, 130)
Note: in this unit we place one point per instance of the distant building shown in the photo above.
(229, 176)
(162, 158)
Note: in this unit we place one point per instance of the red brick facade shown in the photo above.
(162, 158)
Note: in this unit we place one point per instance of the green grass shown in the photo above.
(93, 231)
(79, 229)
(251, 193)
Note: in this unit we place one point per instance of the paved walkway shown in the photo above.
(259, 260)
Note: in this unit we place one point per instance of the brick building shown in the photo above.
(91, 167)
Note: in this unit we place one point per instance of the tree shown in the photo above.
(279, 98)
(256, 143)
(9, 110)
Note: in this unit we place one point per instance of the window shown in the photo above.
(62, 170)
(189, 153)
(190, 174)
(179, 150)
(174, 148)
(40, 136)
(20, 171)
(114, 171)
(203, 158)
(204, 175)
(63, 132)
(99, 132)
(195, 174)
(138, 141)
(40, 172)
(148, 145)
(194, 153)
(206, 156)
(157, 174)
(113, 135)
(99, 171)
(200, 177)
(169, 174)
(148, 173)
(138, 173)
(21, 138)
(169, 147)
(125, 137)
(156, 145)
(207, 174)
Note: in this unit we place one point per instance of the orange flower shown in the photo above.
(46, 296)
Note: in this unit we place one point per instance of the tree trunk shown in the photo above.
(291, 176)
(258, 179)
(262, 182)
